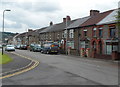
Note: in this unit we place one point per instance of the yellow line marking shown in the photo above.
(24, 70)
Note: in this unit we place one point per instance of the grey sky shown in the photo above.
(36, 14)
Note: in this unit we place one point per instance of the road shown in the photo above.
(65, 70)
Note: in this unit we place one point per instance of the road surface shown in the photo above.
(65, 70)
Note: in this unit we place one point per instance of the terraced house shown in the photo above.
(92, 36)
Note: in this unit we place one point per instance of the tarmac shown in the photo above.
(18, 64)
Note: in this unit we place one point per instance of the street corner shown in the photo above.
(20, 64)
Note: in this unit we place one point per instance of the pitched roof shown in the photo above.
(60, 26)
(46, 29)
(78, 22)
(36, 32)
(95, 19)
(111, 18)
(57, 27)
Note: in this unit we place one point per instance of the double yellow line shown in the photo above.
(24, 70)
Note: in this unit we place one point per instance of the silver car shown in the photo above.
(10, 48)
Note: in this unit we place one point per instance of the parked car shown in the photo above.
(0, 46)
(23, 47)
(17, 46)
(10, 48)
(37, 48)
(31, 47)
(50, 48)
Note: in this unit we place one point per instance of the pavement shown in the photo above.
(18, 63)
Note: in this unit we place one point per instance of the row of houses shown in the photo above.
(97, 34)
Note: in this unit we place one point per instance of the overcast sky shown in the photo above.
(35, 14)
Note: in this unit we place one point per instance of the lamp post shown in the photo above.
(66, 36)
(3, 29)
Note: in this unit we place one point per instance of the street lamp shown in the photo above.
(66, 35)
(3, 29)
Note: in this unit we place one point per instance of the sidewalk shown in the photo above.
(17, 63)
(97, 61)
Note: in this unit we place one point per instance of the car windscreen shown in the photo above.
(10, 46)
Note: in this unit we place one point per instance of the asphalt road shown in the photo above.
(65, 70)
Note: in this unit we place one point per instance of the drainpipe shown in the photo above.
(78, 42)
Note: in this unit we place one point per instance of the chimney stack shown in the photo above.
(64, 19)
(30, 30)
(68, 18)
(51, 23)
(94, 12)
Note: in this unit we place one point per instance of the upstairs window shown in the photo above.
(112, 31)
(65, 33)
(71, 33)
(94, 32)
(58, 36)
(100, 32)
(62, 34)
(85, 32)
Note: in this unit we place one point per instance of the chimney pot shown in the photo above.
(94, 12)
(51, 23)
(68, 18)
(30, 30)
(64, 19)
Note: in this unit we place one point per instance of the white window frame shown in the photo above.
(71, 33)
(65, 33)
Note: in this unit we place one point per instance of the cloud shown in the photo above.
(38, 13)
(43, 6)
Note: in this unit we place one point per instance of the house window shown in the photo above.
(85, 32)
(62, 34)
(94, 45)
(100, 32)
(71, 44)
(94, 32)
(109, 49)
(82, 44)
(71, 33)
(112, 31)
(65, 33)
(50, 36)
(58, 36)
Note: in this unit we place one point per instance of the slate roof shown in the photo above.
(22, 34)
(36, 32)
(46, 29)
(111, 18)
(60, 26)
(95, 19)
(78, 22)
(81, 22)
(57, 27)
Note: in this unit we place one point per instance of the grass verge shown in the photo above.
(4, 59)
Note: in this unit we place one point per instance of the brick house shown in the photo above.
(110, 37)
(96, 32)
(55, 32)
(88, 31)
(21, 38)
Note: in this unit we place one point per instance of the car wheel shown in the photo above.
(47, 52)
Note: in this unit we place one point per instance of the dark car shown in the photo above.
(50, 48)
(36, 48)
(31, 47)
(23, 47)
